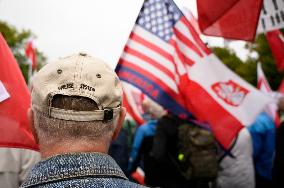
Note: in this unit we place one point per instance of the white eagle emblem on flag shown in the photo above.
(232, 93)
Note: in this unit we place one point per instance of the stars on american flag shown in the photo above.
(159, 17)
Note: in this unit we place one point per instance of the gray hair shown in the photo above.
(51, 130)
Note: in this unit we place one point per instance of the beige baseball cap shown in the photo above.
(77, 75)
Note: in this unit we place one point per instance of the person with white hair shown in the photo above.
(76, 111)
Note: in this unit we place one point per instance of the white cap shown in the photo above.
(78, 75)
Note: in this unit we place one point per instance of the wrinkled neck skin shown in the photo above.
(63, 147)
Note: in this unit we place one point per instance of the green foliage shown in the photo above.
(247, 70)
(228, 57)
(17, 40)
(13, 37)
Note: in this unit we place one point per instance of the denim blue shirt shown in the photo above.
(87, 170)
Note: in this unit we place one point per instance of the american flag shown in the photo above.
(161, 45)
(165, 58)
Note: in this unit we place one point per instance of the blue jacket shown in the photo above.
(147, 129)
(86, 170)
(263, 136)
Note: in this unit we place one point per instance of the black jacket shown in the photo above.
(164, 152)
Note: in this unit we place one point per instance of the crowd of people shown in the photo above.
(77, 119)
(253, 160)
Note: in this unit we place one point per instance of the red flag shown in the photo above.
(233, 19)
(276, 42)
(139, 176)
(14, 126)
(31, 54)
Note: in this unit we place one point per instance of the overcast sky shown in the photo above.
(98, 27)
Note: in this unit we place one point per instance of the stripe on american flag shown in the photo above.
(194, 35)
(151, 76)
(150, 60)
(142, 45)
(144, 65)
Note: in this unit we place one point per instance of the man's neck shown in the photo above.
(72, 147)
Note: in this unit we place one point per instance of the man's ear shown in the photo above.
(119, 123)
(32, 125)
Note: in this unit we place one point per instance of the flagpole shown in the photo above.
(30, 73)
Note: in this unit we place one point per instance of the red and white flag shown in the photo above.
(217, 95)
(276, 42)
(263, 85)
(14, 125)
(232, 19)
(31, 54)
(165, 58)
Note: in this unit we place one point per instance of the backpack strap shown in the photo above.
(227, 152)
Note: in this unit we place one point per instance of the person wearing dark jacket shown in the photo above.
(278, 168)
(165, 152)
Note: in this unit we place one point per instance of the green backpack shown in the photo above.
(197, 152)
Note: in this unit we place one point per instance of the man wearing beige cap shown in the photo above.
(76, 111)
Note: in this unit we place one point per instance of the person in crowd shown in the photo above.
(76, 111)
(15, 164)
(164, 150)
(262, 132)
(185, 153)
(236, 165)
(143, 141)
(278, 167)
